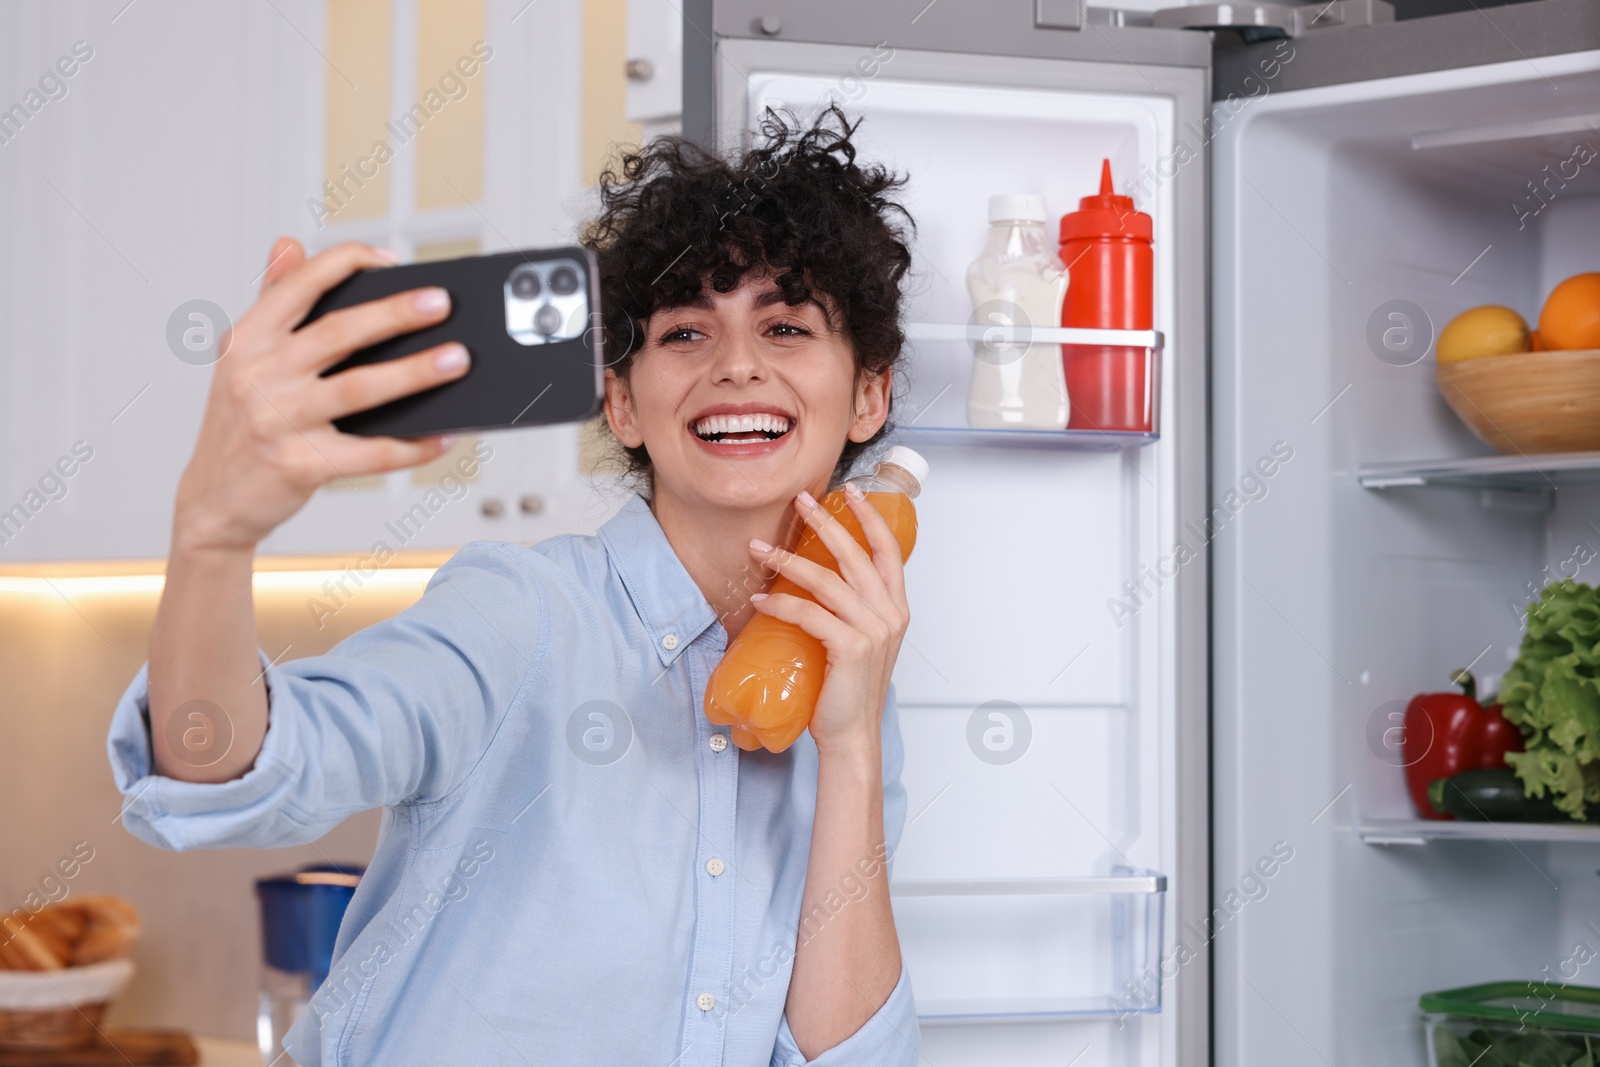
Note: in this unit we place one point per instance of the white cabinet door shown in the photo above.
(157, 174)
(160, 177)
(655, 60)
(520, 485)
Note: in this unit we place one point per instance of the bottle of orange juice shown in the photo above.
(767, 684)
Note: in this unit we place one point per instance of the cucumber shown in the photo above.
(1491, 796)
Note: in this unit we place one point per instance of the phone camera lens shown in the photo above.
(563, 281)
(525, 283)
(547, 320)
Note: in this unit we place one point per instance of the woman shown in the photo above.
(575, 867)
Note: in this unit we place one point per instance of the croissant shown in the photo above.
(89, 929)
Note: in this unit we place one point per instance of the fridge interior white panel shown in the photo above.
(1572, 541)
(1048, 638)
(1571, 224)
(1334, 602)
(1066, 807)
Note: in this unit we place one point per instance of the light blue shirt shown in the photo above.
(575, 867)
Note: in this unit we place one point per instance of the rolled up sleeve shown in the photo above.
(401, 711)
(889, 1039)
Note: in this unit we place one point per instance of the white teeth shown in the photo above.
(763, 421)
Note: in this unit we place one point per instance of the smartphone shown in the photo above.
(530, 321)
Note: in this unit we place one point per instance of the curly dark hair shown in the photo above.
(677, 218)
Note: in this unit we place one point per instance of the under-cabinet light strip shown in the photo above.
(311, 581)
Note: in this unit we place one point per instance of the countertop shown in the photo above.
(221, 1052)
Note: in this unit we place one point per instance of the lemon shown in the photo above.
(1490, 330)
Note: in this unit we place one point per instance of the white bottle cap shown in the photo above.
(1016, 207)
(909, 461)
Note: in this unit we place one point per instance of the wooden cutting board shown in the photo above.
(116, 1048)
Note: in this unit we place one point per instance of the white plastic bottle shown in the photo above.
(1017, 282)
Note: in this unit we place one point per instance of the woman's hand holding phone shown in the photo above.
(267, 441)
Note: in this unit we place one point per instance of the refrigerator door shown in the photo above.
(1052, 687)
(1355, 215)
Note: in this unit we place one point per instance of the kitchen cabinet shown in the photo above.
(162, 177)
(655, 65)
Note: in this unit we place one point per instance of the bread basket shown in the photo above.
(52, 1011)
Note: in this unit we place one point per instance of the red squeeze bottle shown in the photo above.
(1105, 245)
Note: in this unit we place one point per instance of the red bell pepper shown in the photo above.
(1447, 733)
(1499, 737)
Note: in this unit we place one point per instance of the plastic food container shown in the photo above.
(1513, 1023)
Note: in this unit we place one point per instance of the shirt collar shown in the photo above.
(670, 605)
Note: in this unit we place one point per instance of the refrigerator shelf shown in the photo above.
(1426, 831)
(1110, 925)
(1518, 473)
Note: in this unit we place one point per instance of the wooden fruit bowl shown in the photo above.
(1531, 402)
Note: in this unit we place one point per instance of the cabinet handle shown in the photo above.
(531, 504)
(640, 70)
(493, 508)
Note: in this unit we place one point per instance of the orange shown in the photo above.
(1537, 342)
(1482, 331)
(1571, 315)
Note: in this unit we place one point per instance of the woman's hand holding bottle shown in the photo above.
(860, 616)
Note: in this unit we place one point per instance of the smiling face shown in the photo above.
(743, 400)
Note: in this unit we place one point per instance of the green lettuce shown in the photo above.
(1552, 693)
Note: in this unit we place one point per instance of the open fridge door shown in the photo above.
(1389, 545)
(1052, 688)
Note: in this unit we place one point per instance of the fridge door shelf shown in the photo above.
(935, 411)
(1427, 831)
(1143, 882)
(1074, 440)
(1115, 921)
(1050, 335)
(1517, 473)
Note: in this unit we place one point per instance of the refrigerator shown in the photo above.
(1155, 812)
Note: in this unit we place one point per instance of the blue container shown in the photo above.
(300, 915)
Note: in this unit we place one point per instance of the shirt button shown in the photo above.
(669, 642)
(715, 867)
(719, 742)
(705, 1001)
